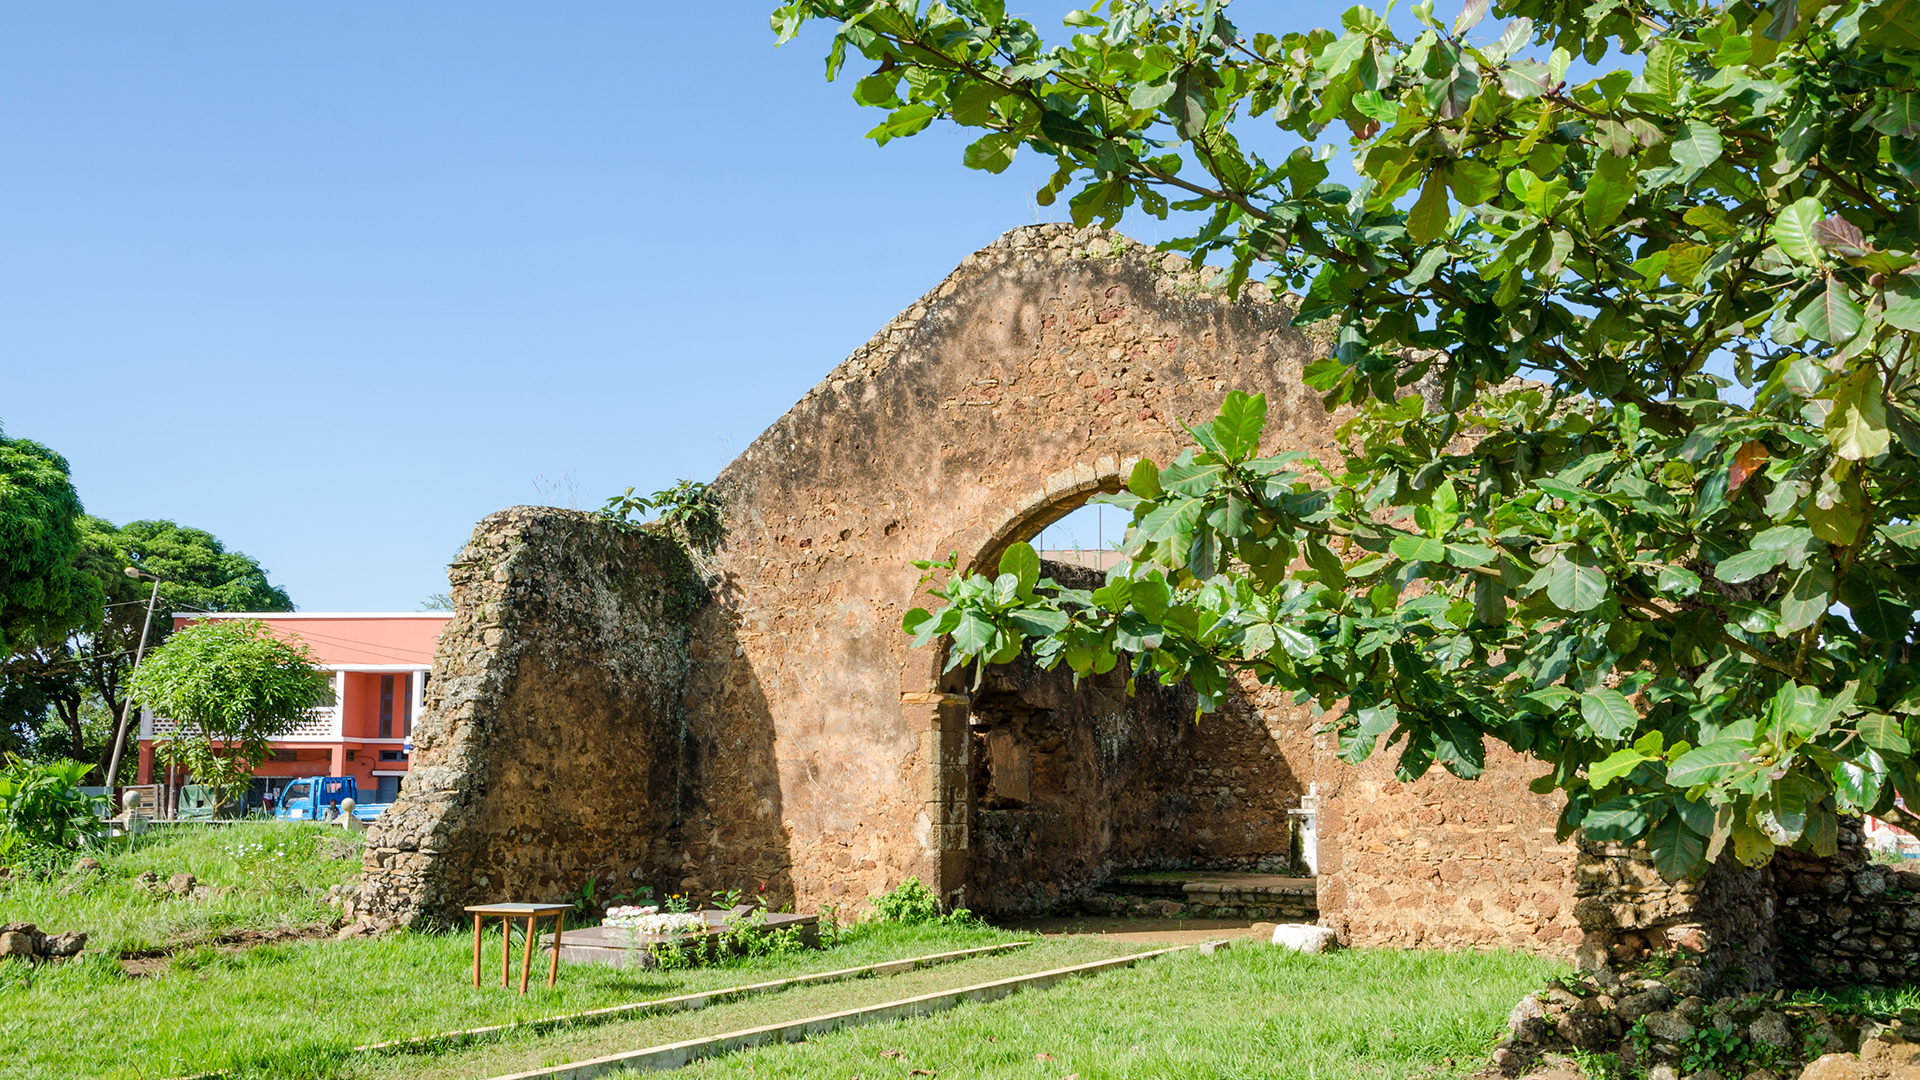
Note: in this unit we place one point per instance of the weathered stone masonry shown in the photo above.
(552, 745)
(813, 750)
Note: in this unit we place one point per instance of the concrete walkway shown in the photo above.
(1144, 931)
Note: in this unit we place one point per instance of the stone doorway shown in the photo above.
(1072, 786)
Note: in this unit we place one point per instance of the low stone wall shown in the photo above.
(551, 747)
(1724, 921)
(1844, 920)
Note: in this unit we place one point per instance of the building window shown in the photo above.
(386, 706)
(393, 755)
(406, 705)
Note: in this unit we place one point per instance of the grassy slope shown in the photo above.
(277, 874)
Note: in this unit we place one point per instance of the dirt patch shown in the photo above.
(1144, 931)
(147, 963)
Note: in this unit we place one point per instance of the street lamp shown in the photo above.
(126, 713)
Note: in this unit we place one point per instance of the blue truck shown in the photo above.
(318, 798)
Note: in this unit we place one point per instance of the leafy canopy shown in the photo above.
(231, 686)
(1691, 595)
(42, 594)
(79, 678)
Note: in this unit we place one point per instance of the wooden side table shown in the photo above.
(533, 913)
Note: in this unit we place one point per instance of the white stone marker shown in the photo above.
(1304, 937)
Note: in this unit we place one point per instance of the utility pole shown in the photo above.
(127, 712)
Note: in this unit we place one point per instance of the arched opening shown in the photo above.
(1080, 797)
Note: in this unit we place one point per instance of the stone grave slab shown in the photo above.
(615, 946)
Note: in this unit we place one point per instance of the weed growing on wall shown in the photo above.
(690, 510)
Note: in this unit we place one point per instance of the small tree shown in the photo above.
(231, 686)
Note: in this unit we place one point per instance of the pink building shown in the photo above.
(379, 662)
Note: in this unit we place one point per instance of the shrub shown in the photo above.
(42, 806)
(912, 902)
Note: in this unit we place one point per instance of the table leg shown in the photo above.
(559, 925)
(526, 958)
(506, 951)
(476, 949)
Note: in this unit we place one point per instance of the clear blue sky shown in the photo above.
(334, 280)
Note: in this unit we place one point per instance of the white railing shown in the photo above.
(321, 725)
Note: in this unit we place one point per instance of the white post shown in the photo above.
(1309, 815)
(417, 691)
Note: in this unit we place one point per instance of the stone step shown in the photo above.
(1214, 894)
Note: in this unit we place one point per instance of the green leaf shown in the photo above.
(992, 153)
(1428, 219)
(1241, 421)
(1676, 849)
(1677, 579)
(1608, 714)
(1793, 230)
(1857, 783)
(1023, 563)
(1705, 764)
(1746, 566)
(1620, 821)
(1419, 549)
(1698, 144)
(1609, 190)
(1469, 554)
(1831, 314)
(1340, 55)
(1575, 582)
(1809, 596)
(904, 121)
(1298, 645)
(1171, 520)
(1144, 481)
(1151, 95)
(973, 636)
(1472, 182)
(1902, 303)
(1885, 734)
(1857, 423)
(1616, 765)
(1039, 622)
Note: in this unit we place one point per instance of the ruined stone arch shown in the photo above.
(804, 744)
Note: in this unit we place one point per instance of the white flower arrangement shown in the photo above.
(649, 920)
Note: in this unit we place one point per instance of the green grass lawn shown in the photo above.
(296, 1009)
(275, 875)
(1252, 1012)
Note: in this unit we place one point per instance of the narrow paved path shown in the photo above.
(1143, 931)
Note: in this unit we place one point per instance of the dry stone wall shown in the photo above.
(1844, 920)
(551, 747)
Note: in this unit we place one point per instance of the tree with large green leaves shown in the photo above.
(231, 687)
(1657, 527)
(84, 673)
(42, 593)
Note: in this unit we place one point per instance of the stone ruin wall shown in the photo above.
(813, 751)
(551, 747)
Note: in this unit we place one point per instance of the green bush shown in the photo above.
(912, 902)
(42, 807)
